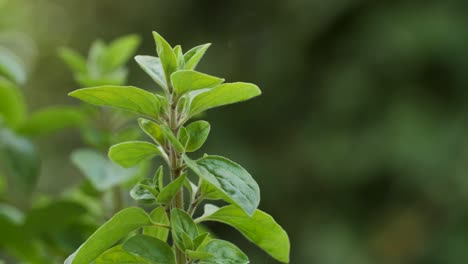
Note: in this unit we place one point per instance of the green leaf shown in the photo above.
(150, 248)
(200, 240)
(74, 60)
(261, 229)
(144, 192)
(223, 94)
(100, 171)
(11, 66)
(223, 252)
(120, 51)
(172, 138)
(230, 179)
(153, 67)
(95, 61)
(193, 56)
(117, 255)
(167, 194)
(153, 130)
(12, 104)
(21, 160)
(166, 54)
(183, 137)
(185, 81)
(198, 132)
(129, 154)
(196, 255)
(158, 215)
(108, 234)
(181, 224)
(52, 119)
(124, 97)
(180, 56)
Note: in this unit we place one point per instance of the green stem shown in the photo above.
(176, 163)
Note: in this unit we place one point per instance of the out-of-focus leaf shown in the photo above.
(100, 171)
(120, 51)
(11, 67)
(12, 104)
(51, 119)
(74, 60)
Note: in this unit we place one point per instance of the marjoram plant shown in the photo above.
(134, 236)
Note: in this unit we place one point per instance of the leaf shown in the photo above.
(129, 154)
(117, 255)
(196, 255)
(158, 215)
(52, 119)
(183, 137)
(193, 56)
(184, 81)
(144, 192)
(200, 240)
(230, 179)
(74, 60)
(223, 94)
(198, 132)
(12, 104)
(166, 54)
(124, 97)
(21, 160)
(172, 138)
(100, 171)
(223, 253)
(167, 194)
(153, 67)
(261, 229)
(153, 130)
(179, 56)
(12, 67)
(150, 248)
(109, 233)
(181, 224)
(119, 51)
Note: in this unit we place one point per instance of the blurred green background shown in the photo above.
(359, 141)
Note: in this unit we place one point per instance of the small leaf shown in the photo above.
(180, 57)
(223, 94)
(172, 138)
(197, 255)
(143, 192)
(51, 119)
(12, 104)
(168, 193)
(129, 154)
(183, 137)
(109, 233)
(158, 215)
(200, 240)
(193, 56)
(153, 67)
(117, 255)
(150, 248)
(261, 229)
(153, 130)
(11, 67)
(185, 81)
(230, 179)
(198, 132)
(158, 178)
(166, 54)
(124, 97)
(223, 252)
(99, 170)
(74, 60)
(119, 51)
(182, 223)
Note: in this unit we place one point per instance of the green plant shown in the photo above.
(134, 236)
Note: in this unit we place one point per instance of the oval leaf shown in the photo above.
(153, 130)
(125, 97)
(182, 225)
(230, 179)
(166, 54)
(261, 229)
(153, 67)
(222, 252)
(112, 231)
(158, 215)
(197, 134)
(168, 193)
(193, 56)
(184, 81)
(117, 255)
(150, 248)
(223, 94)
(129, 154)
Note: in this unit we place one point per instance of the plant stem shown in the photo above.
(175, 163)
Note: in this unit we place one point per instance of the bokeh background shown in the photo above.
(359, 141)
